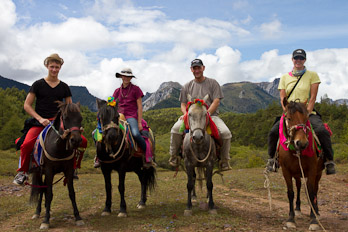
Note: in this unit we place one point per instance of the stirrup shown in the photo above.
(272, 165)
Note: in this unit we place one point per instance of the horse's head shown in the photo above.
(109, 120)
(197, 118)
(69, 121)
(296, 120)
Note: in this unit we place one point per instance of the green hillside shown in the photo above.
(244, 97)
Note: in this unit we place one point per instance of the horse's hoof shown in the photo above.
(213, 211)
(298, 213)
(314, 227)
(122, 215)
(44, 226)
(80, 223)
(188, 212)
(291, 225)
(105, 213)
(35, 216)
(141, 206)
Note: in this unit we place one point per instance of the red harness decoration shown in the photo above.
(209, 122)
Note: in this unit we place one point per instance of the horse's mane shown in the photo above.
(107, 114)
(295, 106)
(64, 108)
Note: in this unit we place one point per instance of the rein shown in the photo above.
(208, 154)
(42, 143)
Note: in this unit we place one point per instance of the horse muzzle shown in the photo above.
(197, 136)
(300, 144)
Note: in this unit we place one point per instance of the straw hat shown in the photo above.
(125, 72)
(54, 57)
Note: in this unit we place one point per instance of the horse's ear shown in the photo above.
(189, 98)
(285, 101)
(206, 97)
(78, 104)
(100, 103)
(117, 101)
(60, 103)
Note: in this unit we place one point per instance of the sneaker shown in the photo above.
(330, 168)
(272, 165)
(225, 165)
(20, 178)
(174, 161)
(96, 163)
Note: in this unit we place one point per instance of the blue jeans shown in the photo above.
(133, 123)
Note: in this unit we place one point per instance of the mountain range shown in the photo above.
(239, 97)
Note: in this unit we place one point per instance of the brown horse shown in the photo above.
(297, 135)
(59, 147)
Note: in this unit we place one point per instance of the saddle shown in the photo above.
(147, 134)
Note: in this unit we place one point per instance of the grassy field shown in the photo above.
(241, 201)
(240, 197)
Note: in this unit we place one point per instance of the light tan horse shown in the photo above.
(199, 151)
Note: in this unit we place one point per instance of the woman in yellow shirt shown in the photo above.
(306, 91)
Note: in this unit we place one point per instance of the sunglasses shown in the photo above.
(299, 58)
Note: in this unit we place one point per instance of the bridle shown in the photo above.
(105, 128)
(66, 132)
(291, 131)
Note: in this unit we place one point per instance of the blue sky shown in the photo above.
(240, 40)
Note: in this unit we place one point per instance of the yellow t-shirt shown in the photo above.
(302, 90)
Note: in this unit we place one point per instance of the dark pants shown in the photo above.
(318, 127)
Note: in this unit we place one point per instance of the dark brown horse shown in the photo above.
(59, 147)
(297, 134)
(114, 154)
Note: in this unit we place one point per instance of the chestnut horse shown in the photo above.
(295, 155)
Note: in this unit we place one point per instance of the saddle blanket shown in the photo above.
(37, 152)
(309, 151)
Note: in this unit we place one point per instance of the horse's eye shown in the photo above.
(289, 119)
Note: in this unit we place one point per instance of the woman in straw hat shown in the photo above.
(46, 92)
(130, 105)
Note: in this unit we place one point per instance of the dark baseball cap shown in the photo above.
(196, 62)
(299, 52)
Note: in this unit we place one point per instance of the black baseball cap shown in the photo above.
(299, 52)
(196, 62)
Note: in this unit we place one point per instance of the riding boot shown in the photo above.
(330, 167)
(225, 155)
(175, 143)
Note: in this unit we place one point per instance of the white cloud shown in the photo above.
(271, 30)
(158, 49)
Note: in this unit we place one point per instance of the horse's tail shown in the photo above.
(201, 177)
(150, 178)
(36, 177)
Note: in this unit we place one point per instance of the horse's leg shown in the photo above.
(209, 180)
(298, 199)
(108, 189)
(48, 198)
(190, 185)
(38, 207)
(194, 196)
(121, 189)
(143, 198)
(311, 181)
(69, 174)
(290, 223)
